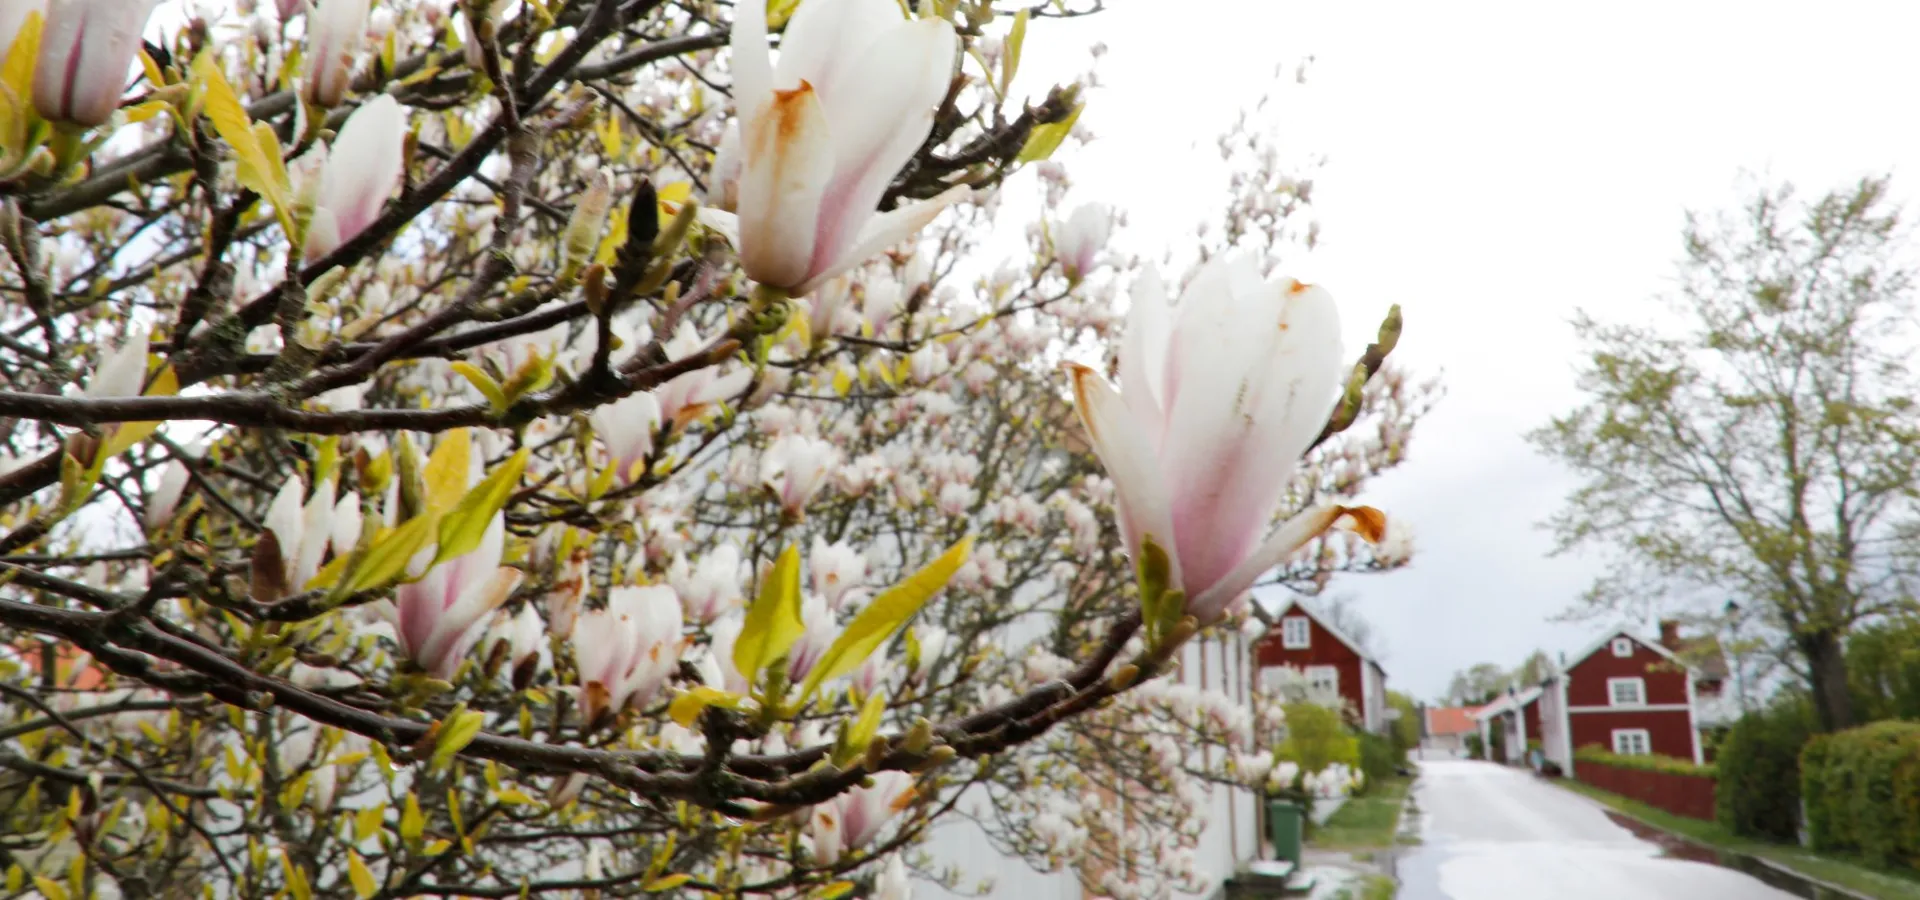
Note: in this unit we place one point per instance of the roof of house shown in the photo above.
(1708, 660)
(1297, 603)
(1625, 632)
(1446, 720)
(1508, 703)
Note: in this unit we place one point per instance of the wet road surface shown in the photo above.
(1489, 832)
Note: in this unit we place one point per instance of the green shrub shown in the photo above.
(1862, 788)
(1759, 762)
(1380, 756)
(1476, 748)
(1646, 762)
(1317, 738)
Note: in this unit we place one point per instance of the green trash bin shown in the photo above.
(1284, 823)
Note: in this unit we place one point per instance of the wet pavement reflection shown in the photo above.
(1489, 832)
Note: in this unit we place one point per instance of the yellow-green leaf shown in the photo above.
(459, 730)
(462, 529)
(884, 617)
(127, 434)
(267, 177)
(835, 890)
(666, 882)
(868, 725)
(387, 559)
(688, 706)
(412, 823)
(366, 823)
(296, 879)
(364, 885)
(446, 475)
(16, 82)
(773, 621)
(1044, 139)
(1010, 60)
(49, 888)
(484, 383)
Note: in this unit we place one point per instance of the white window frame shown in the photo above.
(1645, 740)
(1296, 633)
(1330, 675)
(1639, 688)
(1623, 647)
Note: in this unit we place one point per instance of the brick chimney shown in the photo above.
(1670, 634)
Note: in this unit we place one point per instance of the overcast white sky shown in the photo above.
(1491, 167)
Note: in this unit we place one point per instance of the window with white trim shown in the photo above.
(1622, 647)
(1626, 691)
(1632, 742)
(1324, 678)
(1296, 633)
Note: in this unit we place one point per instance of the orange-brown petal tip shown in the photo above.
(1365, 521)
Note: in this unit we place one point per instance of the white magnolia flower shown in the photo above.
(1219, 397)
(824, 131)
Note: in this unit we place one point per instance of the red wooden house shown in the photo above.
(1626, 695)
(1301, 639)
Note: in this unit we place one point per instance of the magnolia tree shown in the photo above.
(550, 449)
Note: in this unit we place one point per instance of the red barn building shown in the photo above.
(1626, 695)
(1301, 639)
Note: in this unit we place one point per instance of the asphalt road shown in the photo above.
(1489, 832)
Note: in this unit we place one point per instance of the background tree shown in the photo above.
(1761, 441)
(1476, 685)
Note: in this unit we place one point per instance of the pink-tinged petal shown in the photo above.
(880, 115)
(825, 40)
(1311, 359)
(323, 234)
(1127, 453)
(725, 387)
(723, 180)
(627, 428)
(1368, 522)
(461, 625)
(336, 29)
(884, 231)
(789, 161)
(1143, 355)
(365, 165)
(752, 71)
(726, 224)
(1225, 405)
(417, 607)
(86, 48)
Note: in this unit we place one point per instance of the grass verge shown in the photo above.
(1370, 887)
(1849, 874)
(1370, 820)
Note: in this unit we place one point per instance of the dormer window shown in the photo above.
(1296, 633)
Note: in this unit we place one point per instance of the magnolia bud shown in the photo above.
(85, 49)
(336, 29)
(588, 222)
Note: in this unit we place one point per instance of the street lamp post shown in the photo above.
(1733, 655)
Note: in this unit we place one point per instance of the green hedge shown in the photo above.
(1380, 756)
(1759, 762)
(1645, 762)
(1863, 792)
